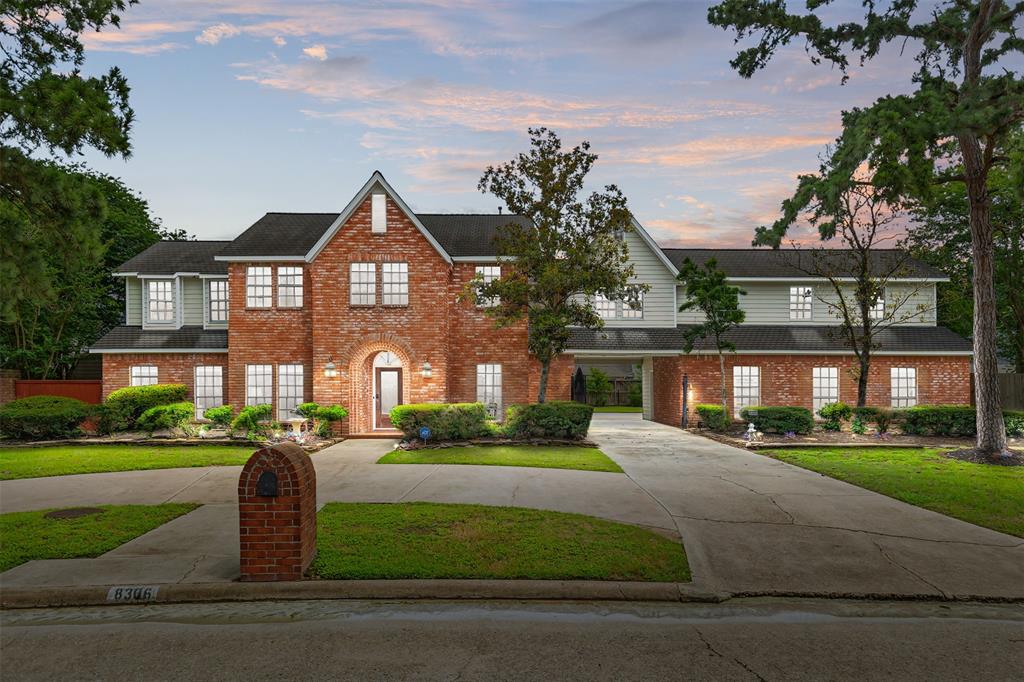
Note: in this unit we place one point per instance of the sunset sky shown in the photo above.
(250, 106)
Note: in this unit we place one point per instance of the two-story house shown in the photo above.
(361, 308)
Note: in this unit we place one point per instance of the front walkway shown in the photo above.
(750, 524)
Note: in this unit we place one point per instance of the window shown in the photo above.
(218, 300)
(289, 286)
(800, 302)
(144, 375)
(259, 388)
(824, 387)
(904, 386)
(605, 307)
(394, 283)
(488, 388)
(209, 390)
(746, 387)
(635, 311)
(362, 284)
(160, 297)
(289, 391)
(877, 311)
(379, 213)
(257, 287)
(488, 273)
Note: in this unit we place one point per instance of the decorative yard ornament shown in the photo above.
(424, 434)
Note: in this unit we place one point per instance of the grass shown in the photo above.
(982, 494)
(426, 540)
(25, 536)
(618, 409)
(89, 459)
(547, 457)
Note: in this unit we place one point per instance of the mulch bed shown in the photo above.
(1016, 458)
(420, 445)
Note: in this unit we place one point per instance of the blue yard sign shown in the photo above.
(424, 433)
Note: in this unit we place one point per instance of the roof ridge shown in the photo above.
(516, 215)
(760, 249)
(302, 212)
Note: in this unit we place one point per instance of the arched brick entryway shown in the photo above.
(361, 379)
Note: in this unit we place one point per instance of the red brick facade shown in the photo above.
(786, 380)
(172, 368)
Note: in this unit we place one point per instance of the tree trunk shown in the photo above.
(542, 390)
(864, 361)
(725, 395)
(991, 440)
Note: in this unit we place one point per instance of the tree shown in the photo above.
(707, 290)
(966, 102)
(573, 249)
(599, 387)
(861, 294)
(942, 237)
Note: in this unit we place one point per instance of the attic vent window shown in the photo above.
(379, 215)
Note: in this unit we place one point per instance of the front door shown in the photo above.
(389, 394)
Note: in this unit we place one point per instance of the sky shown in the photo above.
(249, 106)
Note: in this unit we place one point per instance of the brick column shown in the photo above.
(277, 514)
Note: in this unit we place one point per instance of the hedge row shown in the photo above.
(43, 417)
(461, 421)
(772, 419)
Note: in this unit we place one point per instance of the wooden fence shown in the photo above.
(619, 394)
(91, 391)
(1011, 389)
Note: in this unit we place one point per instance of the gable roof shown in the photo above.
(281, 235)
(790, 263)
(167, 258)
(468, 234)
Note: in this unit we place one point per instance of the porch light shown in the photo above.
(330, 370)
(427, 371)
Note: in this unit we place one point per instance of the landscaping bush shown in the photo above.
(635, 396)
(446, 421)
(124, 406)
(713, 417)
(175, 415)
(249, 418)
(599, 387)
(307, 410)
(881, 417)
(1014, 420)
(834, 415)
(42, 417)
(221, 416)
(554, 419)
(779, 419)
(939, 420)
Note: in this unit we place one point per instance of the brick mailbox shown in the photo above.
(277, 514)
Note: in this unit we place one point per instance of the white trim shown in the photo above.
(127, 305)
(480, 259)
(260, 259)
(616, 353)
(157, 350)
(357, 200)
(222, 275)
(804, 278)
(639, 352)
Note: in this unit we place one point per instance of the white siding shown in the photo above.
(192, 300)
(659, 302)
(647, 390)
(133, 310)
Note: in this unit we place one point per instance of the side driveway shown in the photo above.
(752, 524)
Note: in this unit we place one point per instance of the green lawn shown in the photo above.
(547, 457)
(88, 459)
(25, 536)
(425, 540)
(983, 494)
(618, 409)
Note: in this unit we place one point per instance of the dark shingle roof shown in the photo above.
(794, 263)
(281, 234)
(468, 234)
(186, 338)
(167, 258)
(762, 337)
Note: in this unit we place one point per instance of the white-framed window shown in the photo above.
(904, 386)
(746, 388)
(143, 375)
(488, 388)
(362, 283)
(209, 388)
(605, 307)
(488, 273)
(218, 300)
(877, 310)
(289, 391)
(258, 286)
(289, 286)
(635, 311)
(394, 283)
(160, 300)
(824, 386)
(259, 385)
(800, 302)
(379, 213)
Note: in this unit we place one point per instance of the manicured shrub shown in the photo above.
(331, 413)
(173, 416)
(779, 419)
(554, 419)
(41, 417)
(834, 415)
(1014, 420)
(221, 416)
(307, 410)
(124, 406)
(446, 421)
(713, 417)
(599, 387)
(881, 417)
(249, 418)
(939, 420)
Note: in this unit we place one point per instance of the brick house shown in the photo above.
(360, 308)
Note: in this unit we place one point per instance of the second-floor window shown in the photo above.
(258, 287)
(362, 284)
(608, 309)
(218, 300)
(634, 311)
(800, 302)
(289, 286)
(488, 273)
(394, 283)
(160, 300)
(605, 307)
(877, 311)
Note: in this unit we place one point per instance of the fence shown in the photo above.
(90, 391)
(1011, 389)
(619, 394)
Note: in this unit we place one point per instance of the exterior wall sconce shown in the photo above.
(330, 370)
(427, 371)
